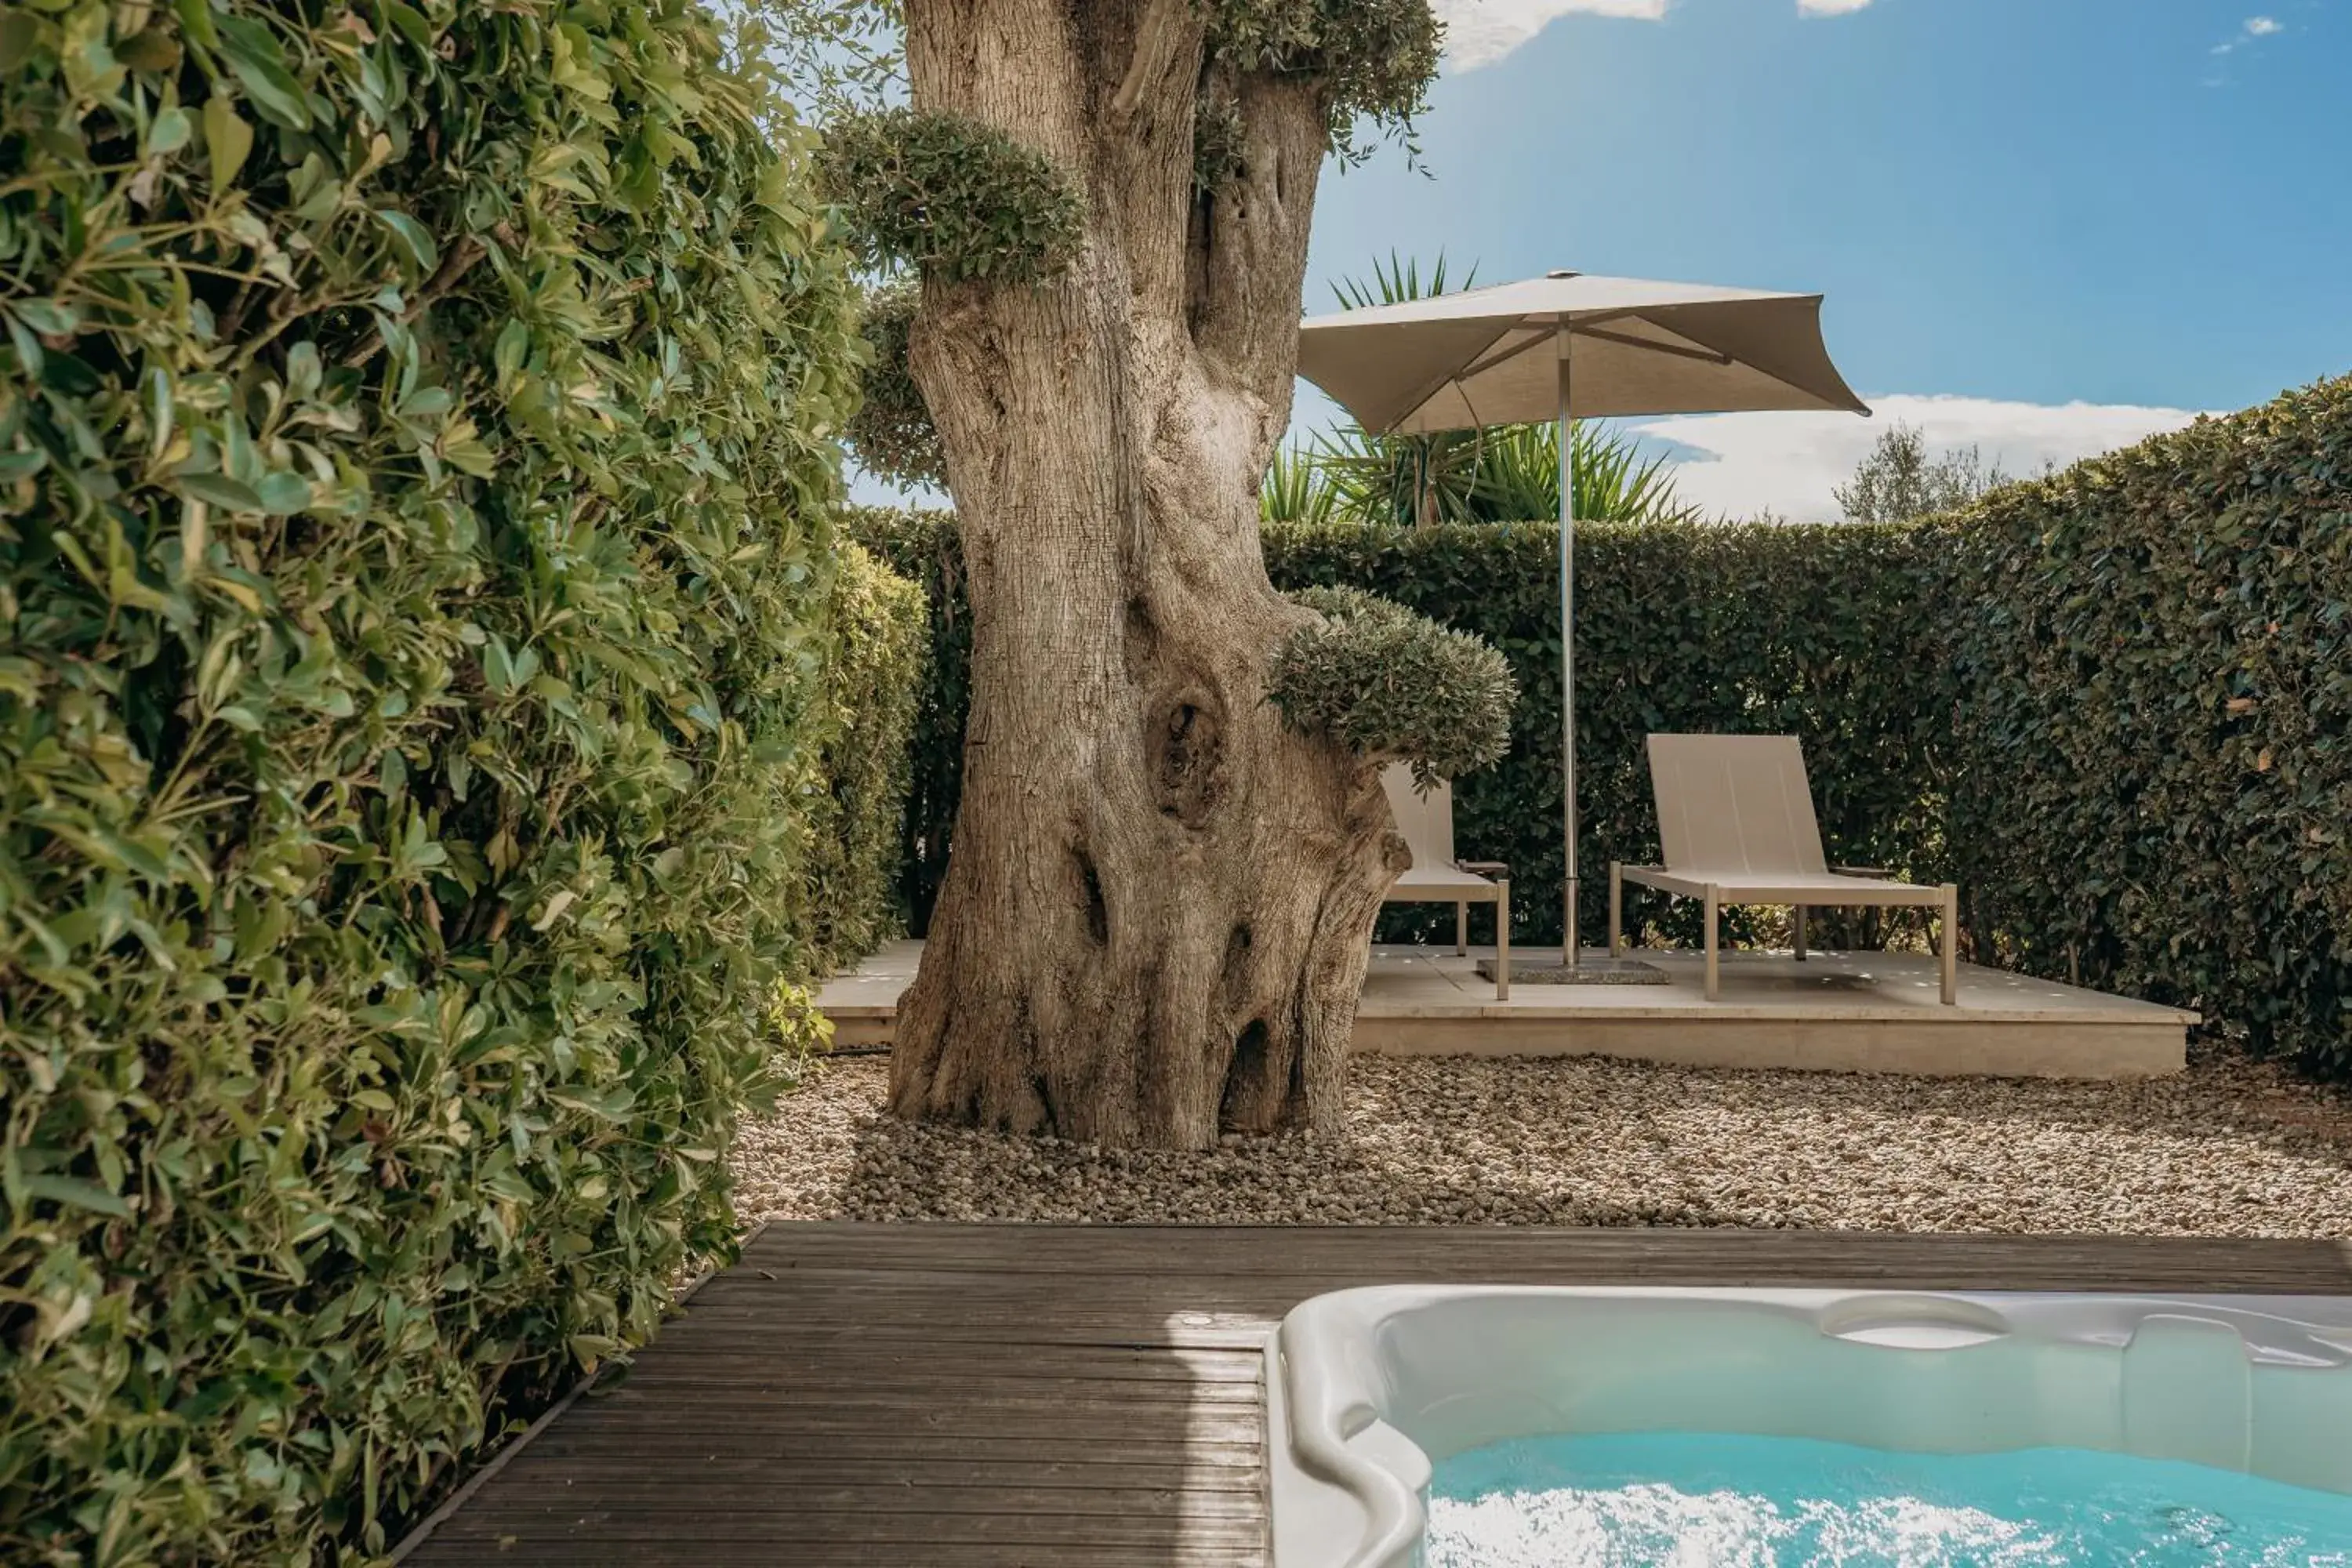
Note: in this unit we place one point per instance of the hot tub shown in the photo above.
(1368, 1389)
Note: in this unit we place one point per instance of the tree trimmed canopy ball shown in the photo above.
(1394, 686)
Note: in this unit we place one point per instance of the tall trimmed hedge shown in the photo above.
(412, 447)
(2115, 705)
(1679, 628)
(879, 647)
(1811, 631)
(2155, 649)
(922, 545)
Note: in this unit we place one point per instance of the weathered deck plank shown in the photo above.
(1008, 1397)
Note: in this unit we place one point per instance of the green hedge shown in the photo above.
(414, 434)
(1811, 631)
(2114, 705)
(872, 690)
(921, 546)
(1679, 628)
(2156, 649)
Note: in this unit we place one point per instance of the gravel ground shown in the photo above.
(2230, 1148)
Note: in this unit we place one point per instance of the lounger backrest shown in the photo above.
(1425, 820)
(1729, 805)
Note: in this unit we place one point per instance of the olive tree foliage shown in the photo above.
(835, 58)
(940, 195)
(1902, 479)
(1442, 701)
(1087, 223)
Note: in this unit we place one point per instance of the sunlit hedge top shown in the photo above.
(413, 433)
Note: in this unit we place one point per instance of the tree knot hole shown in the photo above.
(1090, 890)
(1237, 948)
(1245, 1105)
(1191, 766)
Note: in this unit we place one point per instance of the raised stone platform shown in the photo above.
(1836, 1012)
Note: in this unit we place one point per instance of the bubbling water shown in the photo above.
(1710, 1501)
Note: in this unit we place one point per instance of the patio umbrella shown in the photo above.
(1566, 346)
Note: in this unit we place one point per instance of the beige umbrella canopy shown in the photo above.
(1493, 356)
(1566, 346)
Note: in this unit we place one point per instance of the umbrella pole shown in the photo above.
(1570, 947)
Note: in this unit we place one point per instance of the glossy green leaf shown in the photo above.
(229, 141)
(414, 239)
(19, 31)
(410, 22)
(172, 129)
(46, 316)
(219, 490)
(76, 1193)
(260, 66)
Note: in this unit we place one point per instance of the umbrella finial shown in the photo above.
(1562, 272)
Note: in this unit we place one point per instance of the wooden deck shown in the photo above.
(1838, 1012)
(1010, 1396)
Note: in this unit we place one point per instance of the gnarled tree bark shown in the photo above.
(1155, 922)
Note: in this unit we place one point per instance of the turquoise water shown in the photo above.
(1703, 1501)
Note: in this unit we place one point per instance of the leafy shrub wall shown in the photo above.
(1811, 631)
(922, 545)
(2155, 654)
(2115, 705)
(414, 438)
(873, 688)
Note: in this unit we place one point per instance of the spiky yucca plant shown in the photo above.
(1296, 490)
(1518, 478)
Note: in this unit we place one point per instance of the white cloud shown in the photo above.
(1788, 463)
(2255, 27)
(1480, 32)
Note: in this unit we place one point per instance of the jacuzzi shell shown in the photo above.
(1367, 1388)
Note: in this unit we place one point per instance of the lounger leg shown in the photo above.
(1616, 907)
(1800, 934)
(1503, 939)
(1714, 973)
(1461, 930)
(1951, 942)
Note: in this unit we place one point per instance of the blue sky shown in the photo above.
(2044, 227)
(2132, 207)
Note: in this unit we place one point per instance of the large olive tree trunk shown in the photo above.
(1155, 921)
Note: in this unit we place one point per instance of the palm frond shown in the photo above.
(1296, 490)
(1397, 281)
(1520, 478)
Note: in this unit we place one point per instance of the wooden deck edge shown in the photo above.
(2083, 1262)
(2080, 1049)
(423, 1528)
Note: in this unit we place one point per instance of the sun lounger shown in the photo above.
(1736, 821)
(1426, 821)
